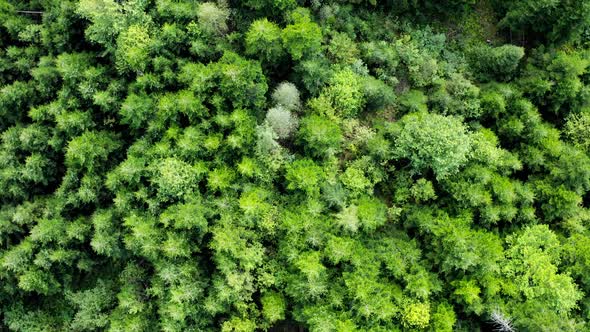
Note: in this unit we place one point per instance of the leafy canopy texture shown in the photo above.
(290, 165)
(432, 141)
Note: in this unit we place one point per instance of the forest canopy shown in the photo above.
(291, 165)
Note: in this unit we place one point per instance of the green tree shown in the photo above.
(555, 21)
(274, 5)
(577, 128)
(345, 91)
(304, 174)
(321, 135)
(343, 49)
(273, 307)
(175, 178)
(108, 20)
(91, 150)
(133, 49)
(532, 268)
(137, 110)
(303, 37)
(431, 141)
(264, 40)
(496, 63)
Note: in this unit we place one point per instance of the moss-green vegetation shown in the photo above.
(328, 165)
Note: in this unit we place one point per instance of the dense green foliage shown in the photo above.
(334, 165)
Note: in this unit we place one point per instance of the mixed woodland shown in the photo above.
(304, 165)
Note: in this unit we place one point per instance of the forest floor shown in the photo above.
(480, 26)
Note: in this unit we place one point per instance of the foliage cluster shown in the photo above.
(334, 165)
